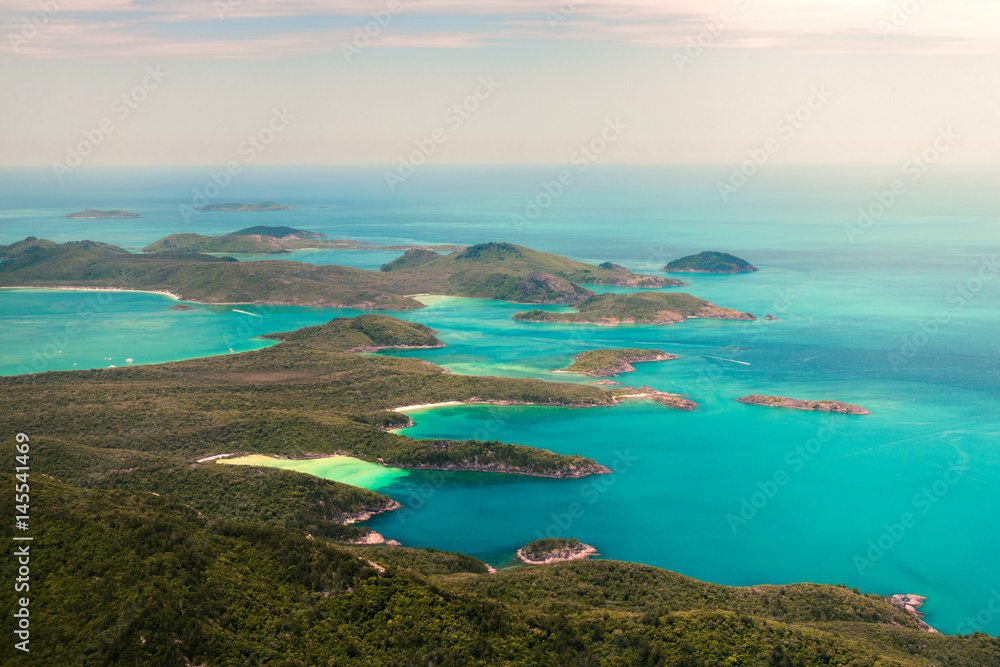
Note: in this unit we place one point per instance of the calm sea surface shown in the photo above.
(900, 315)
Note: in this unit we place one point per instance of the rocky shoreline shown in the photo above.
(912, 604)
(580, 552)
(567, 472)
(623, 364)
(799, 404)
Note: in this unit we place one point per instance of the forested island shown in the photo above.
(240, 243)
(211, 564)
(608, 363)
(710, 262)
(641, 308)
(97, 213)
(500, 271)
(554, 550)
(231, 206)
(798, 404)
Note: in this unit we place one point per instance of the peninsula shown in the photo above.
(710, 262)
(259, 206)
(554, 550)
(641, 308)
(500, 271)
(306, 396)
(609, 363)
(797, 404)
(95, 213)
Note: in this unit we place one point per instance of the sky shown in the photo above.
(390, 82)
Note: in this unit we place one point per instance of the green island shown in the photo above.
(234, 591)
(554, 550)
(609, 363)
(236, 565)
(282, 233)
(306, 397)
(96, 213)
(516, 273)
(798, 404)
(499, 271)
(641, 308)
(710, 262)
(251, 244)
(231, 206)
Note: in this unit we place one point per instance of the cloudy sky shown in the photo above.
(496, 81)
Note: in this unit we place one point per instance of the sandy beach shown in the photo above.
(94, 289)
(406, 408)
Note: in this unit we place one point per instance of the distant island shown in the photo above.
(280, 233)
(797, 404)
(259, 206)
(179, 264)
(554, 550)
(521, 273)
(96, 213)
(710, 262)
(642, 308)
(607, 363)
(282, 241)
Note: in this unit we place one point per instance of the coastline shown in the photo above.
(580, 552)
(176, 297)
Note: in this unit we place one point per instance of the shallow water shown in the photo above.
(903, 321)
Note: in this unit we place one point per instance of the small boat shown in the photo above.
(129, 361)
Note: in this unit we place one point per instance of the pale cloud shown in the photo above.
(109, 28)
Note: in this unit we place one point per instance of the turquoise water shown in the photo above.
(899, 501)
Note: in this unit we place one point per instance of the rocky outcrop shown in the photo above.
(798, 404)
(912, 604)
(578, 552)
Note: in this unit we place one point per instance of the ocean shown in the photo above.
(892, 305)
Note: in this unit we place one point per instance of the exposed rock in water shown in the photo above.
(798, 404)
(912, 603)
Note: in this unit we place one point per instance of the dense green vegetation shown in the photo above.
(97, 213)
(295, 398)
(239, 493)
(259, 206)
(604, 363)
(247, 242)
(489, 271)
(539, 549)
(364, 333)
(510, 272)
(710, 262)
(127, 578)
(645, 308)
(197, 277)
